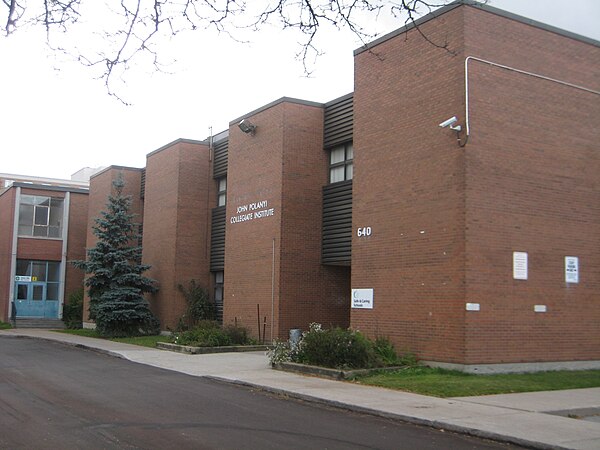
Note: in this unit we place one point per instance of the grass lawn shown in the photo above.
(450, 383)
(5, 326)
(145, 341)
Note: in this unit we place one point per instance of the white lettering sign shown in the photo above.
(520, 265)
(364, 231)
(252, 211)
(571, 269)
(23, 278)
(362, 298)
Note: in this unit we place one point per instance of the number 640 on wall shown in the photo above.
(364, 231)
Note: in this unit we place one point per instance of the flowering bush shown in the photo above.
(334, 347)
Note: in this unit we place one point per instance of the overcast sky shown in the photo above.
(54, 122)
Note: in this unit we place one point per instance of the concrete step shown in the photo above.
(40, 323)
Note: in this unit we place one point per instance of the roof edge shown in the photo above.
(275, 103)
(175, 142)
(484, 7)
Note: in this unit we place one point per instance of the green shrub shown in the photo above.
(208, 333)
(385, 351)
(199, 306)
(5, 326)
(238, 335)
(280, 352)
(73, 310)
(336, 348)
(340, 349)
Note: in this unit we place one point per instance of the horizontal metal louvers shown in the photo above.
(220, 158)
(339, 121)
(336, 245)
(217, 239)
(143, 184)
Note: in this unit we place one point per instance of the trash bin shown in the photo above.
(295, 335)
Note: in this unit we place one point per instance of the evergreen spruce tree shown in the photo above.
(115, 282)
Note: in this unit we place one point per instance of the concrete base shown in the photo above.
(205, 350)
(89, 326)
(516, 367)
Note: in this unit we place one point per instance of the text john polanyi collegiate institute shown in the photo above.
(249, 212)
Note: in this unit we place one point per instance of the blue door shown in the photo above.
(31, 301)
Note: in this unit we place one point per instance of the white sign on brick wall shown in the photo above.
(571, 269)
(520, 265)
(362, 298)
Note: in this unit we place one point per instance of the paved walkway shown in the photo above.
(538, 419)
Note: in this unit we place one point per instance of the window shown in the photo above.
(340, 163)
(40, 216)
(40, 272)
(222, 191)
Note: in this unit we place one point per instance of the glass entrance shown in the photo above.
(36, 289)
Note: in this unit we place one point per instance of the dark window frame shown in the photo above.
(347, 163)
(221, 193)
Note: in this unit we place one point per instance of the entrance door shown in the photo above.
(31, 301)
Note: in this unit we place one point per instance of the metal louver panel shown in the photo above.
(217, 239)
(143, 184)
(220, 158)
(339, 121)
(336, 246)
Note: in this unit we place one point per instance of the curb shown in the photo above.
(71, 344)
(325, 372)
(438, 425)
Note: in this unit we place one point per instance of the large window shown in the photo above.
(222, 191)
(340, 163)
(40, 216)
(41, 272)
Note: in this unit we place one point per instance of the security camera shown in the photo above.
(448, 123)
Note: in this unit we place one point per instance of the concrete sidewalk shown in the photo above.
(538, 419)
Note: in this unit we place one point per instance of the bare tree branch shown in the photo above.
(133, 31)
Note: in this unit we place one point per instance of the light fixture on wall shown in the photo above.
(449, 123)
(247, 127)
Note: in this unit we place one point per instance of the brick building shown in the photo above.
(474, 247)
(42, 227)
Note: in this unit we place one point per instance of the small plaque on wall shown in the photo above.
(520, 265)
(362, 298)
(571, 269)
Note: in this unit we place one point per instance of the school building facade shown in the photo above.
(42, 228)
(450, 203)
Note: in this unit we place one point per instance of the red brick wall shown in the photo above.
(532, 176)
(409, 188)
(176, 224)
(254, 174)
(76, 241)
(283, 164)
(309, 291)
(7, 212)
(446, 220)
(100, 188)
(42, 249)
